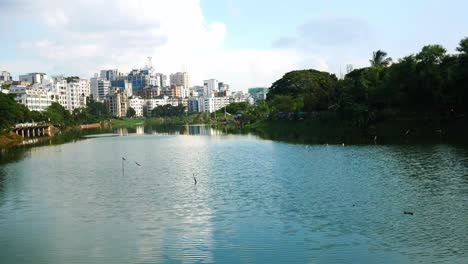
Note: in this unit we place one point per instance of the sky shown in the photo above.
(244, 43)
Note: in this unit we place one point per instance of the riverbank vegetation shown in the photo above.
(430, 87)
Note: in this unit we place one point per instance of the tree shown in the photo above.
(316, 89)
(461, 76)
(283, 103)
(380, 59)
(9, 113)
(431, 54)
(236, 108)
(463, 46)
(58, 115)
(131, 112)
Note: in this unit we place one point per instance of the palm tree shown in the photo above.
(380, 59)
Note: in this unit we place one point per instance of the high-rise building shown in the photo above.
(143, 78)
(180, 79)
(162, 80)
(117, 103)
(211, 86)
(100, 88)
(77, 92)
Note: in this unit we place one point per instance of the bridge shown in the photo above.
(34, 129)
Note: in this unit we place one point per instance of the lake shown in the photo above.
(255, 201)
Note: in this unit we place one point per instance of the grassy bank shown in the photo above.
(8, 139)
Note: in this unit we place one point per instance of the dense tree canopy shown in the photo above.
(168, 111)
(431, 83)
(315, 88)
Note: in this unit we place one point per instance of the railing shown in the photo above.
(32, 124)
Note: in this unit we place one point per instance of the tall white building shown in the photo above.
(77, 92)
(210, 87)
(99, 88)
(180, 79)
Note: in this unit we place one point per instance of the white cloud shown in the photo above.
(82, 37)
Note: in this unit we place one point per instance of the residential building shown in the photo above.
(58, 86)
(77, 92)
(34, 99)
(210, 87)
(180, 79)
(178, 91)
(153, 103)
(99, 88)
(138, 104)
(117, 103)
(213, 104)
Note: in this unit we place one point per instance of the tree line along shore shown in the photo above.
(430, 86)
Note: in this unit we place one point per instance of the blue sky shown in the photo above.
(244, 43)
(416, 23)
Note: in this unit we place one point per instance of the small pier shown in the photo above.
(28, 130)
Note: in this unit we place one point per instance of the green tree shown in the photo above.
(316, 89)
(10, 111)
(380, 59)
(131, 112)
(58, 115)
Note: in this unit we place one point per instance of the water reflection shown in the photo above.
(256, 201)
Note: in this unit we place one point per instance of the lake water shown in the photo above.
(255, 201)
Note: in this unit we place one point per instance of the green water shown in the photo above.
(255, 201)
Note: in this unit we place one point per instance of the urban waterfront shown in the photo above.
(255, 200)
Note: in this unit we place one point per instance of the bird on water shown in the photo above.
(194, 179)
(137, 163)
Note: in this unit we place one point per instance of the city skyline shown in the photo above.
(246, 44)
